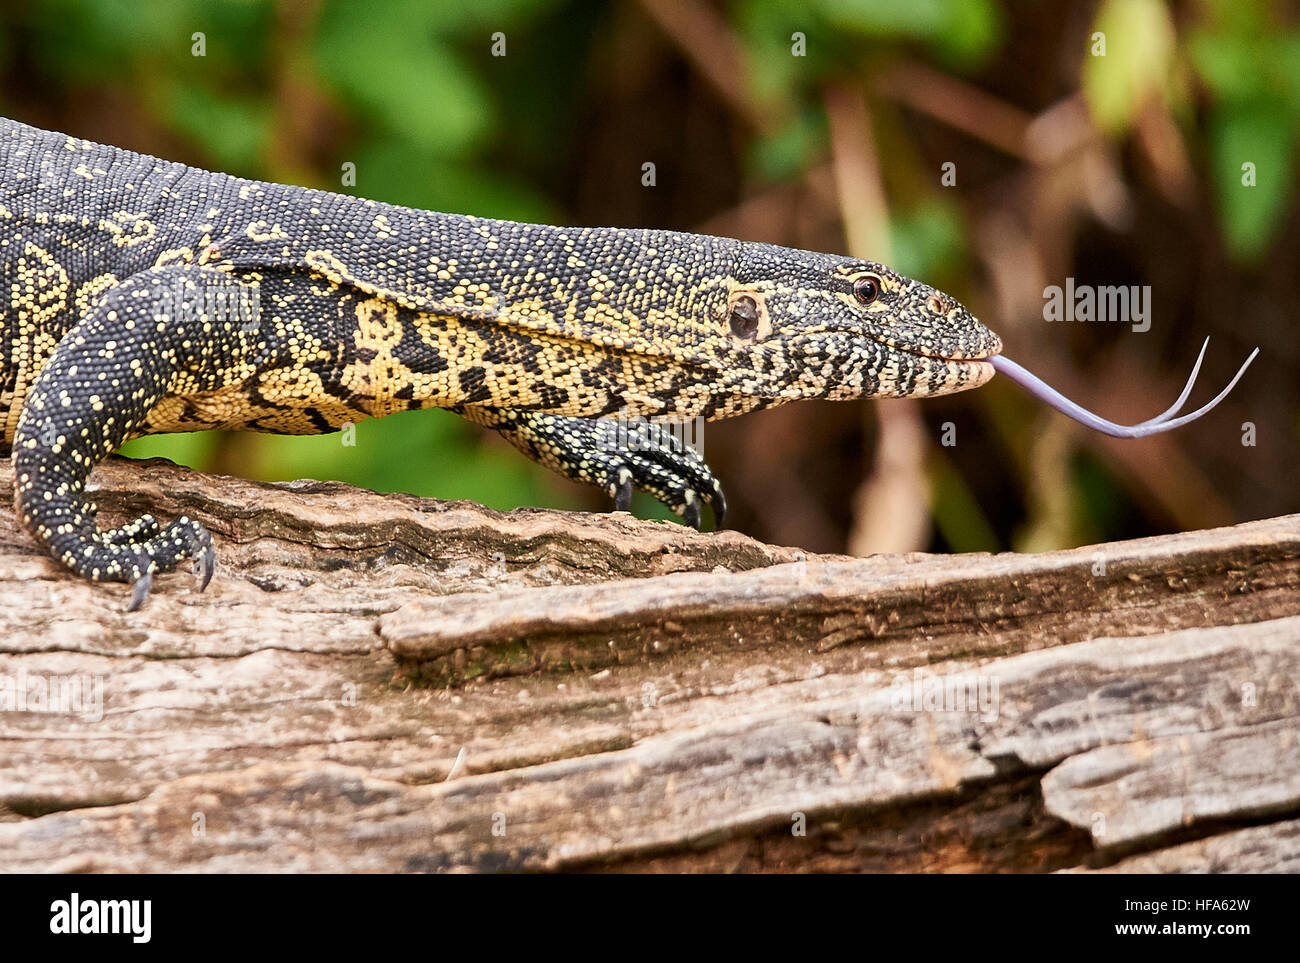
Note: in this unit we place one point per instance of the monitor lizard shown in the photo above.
(146, 296)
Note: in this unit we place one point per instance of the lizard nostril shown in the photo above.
(939, 303)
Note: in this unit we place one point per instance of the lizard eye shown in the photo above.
(866, 289)
(744, 317)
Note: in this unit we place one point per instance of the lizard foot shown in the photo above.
(141, 340)
(620, 457)
(139, 549)
(678, 477)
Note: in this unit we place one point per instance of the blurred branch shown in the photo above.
(891, 511)
(757, 215)
(959, 105)
(1059, 131)
(300, 111)
(706, 40)
(1162, 144)
(857, 174)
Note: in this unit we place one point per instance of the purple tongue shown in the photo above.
(1163, 422)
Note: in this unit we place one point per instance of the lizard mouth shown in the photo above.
(988, 346)
(926, 367)
(980, 353)
(967, 372)
(951, 335)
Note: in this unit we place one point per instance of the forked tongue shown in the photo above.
(1162, 422)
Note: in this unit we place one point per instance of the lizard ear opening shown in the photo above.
(744, 318)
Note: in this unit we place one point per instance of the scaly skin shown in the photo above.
(145, 296)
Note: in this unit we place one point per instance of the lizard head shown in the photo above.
(817, 325)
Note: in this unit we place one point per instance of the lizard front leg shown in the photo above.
(612, 455)
(161, 333)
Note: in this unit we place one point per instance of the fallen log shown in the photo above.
(390, 683)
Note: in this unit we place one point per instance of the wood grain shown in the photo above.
(388, 683)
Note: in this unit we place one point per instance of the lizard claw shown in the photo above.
(623, 493)
(691, 511)
(205, 563)
(719, 502)
(140, 590)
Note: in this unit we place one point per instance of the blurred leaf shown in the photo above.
(94, 41)
(974, 31)
(1237, 16)
(391, 64)
(1230, 66)
(927, 239)
(957, 515)
(429, 453)
(390, 171)
(1262, 133)
(192, 448)
(1136, 66)
(651, 509)
(964, 30)
(1099, 499)
(1241, 68)
(1286, 68)
(483, 17)
(961, 32)
(766, 28)
(233, 132)
(787, 155)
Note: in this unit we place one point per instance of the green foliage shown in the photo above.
(97, 42)
(192, 448)
(431, 453)
(957, 515)
(233, 131)
(843, 34)
(388, 170)
(1254, 74)
(787, 154)
(388, 67)
(1100, 499)
(928, 238)
(1139, 49)
(1260, 133)
(961, 32)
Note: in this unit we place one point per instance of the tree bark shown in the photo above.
(389, 683)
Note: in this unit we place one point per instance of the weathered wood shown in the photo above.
(1125, 793)
(1273, 848)
(913, 607)
(634, 695)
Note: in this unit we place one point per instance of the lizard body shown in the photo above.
(145, 296)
